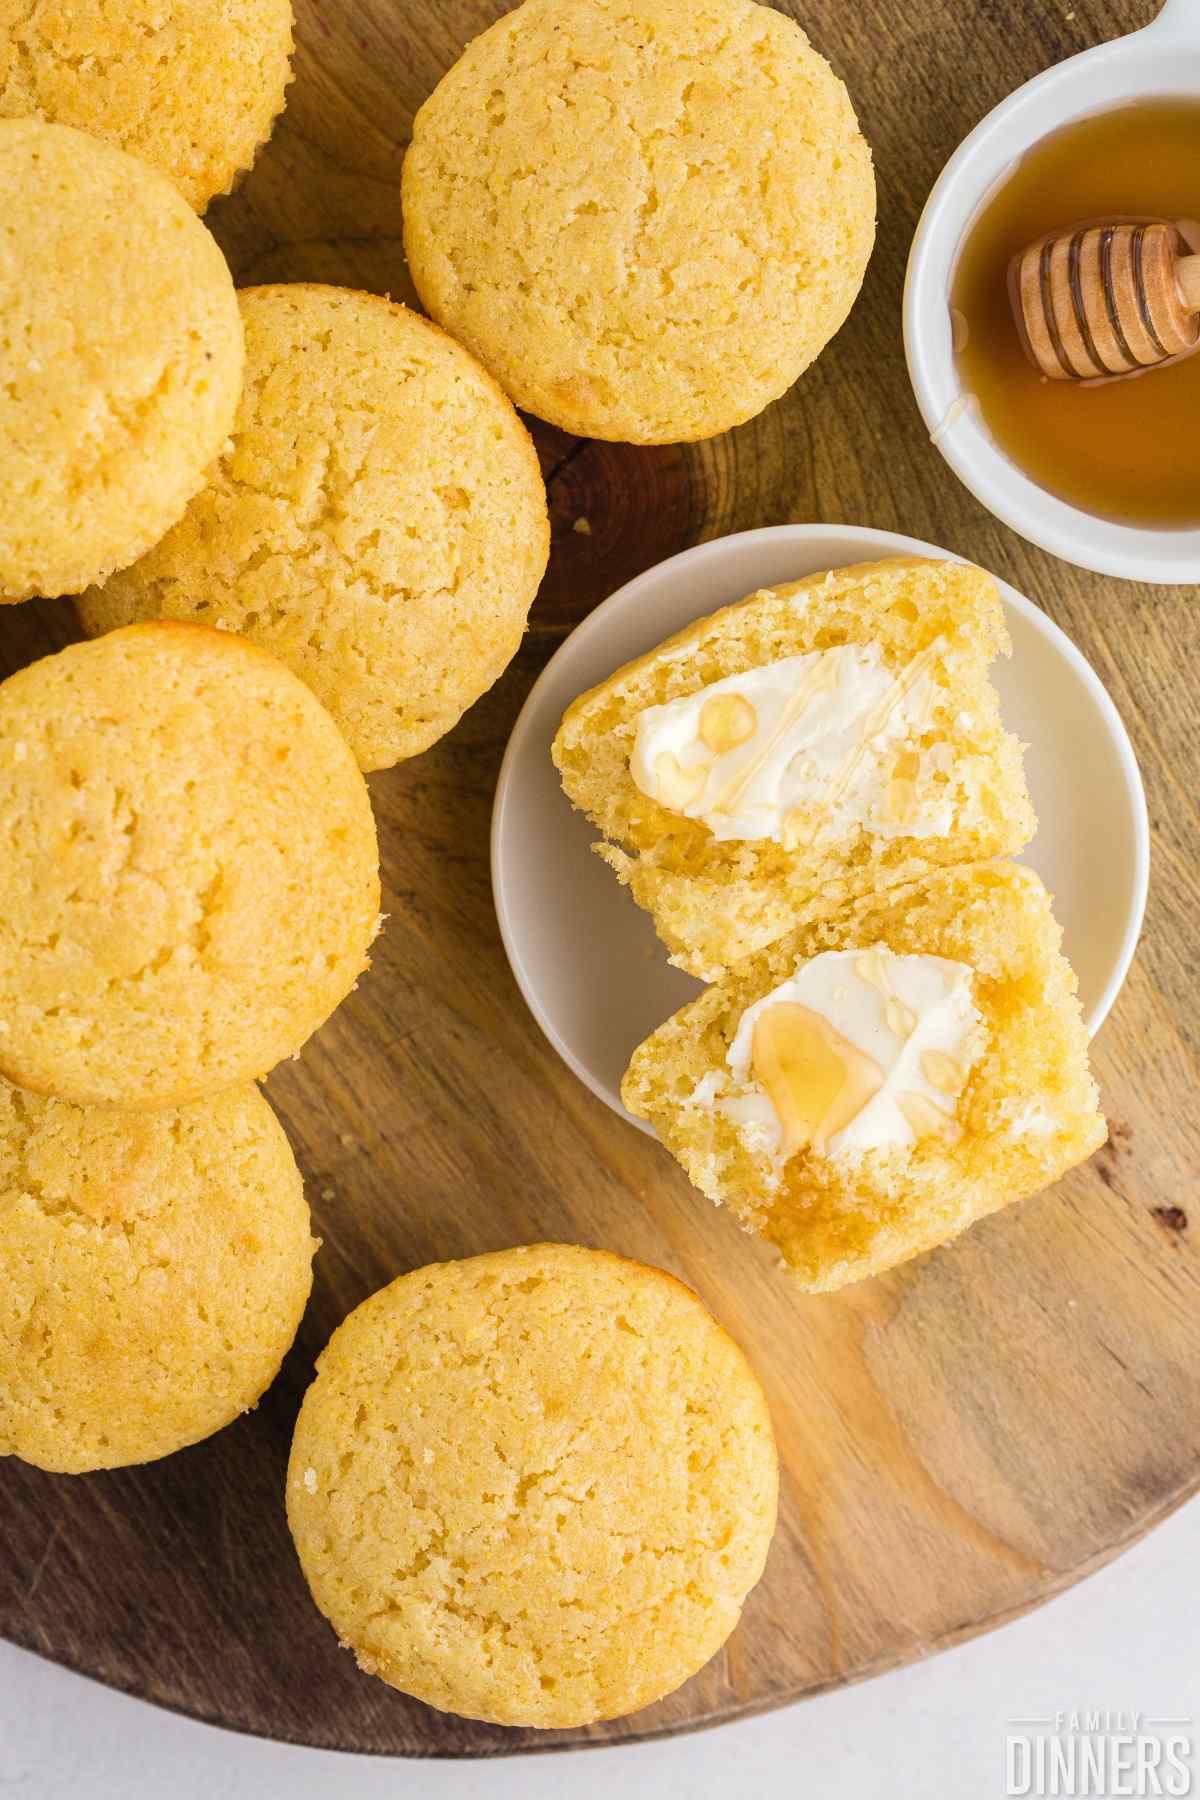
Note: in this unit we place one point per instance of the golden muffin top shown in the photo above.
(121, 350)
(378, 521)
(190, 880)
(645, 217)
(153, 1272)
(533, 1487)
(192, 88)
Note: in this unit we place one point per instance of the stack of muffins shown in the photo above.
(305, 527)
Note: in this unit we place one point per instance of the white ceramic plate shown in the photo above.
(587, 959)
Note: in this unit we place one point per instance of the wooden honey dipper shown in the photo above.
(1106, 300)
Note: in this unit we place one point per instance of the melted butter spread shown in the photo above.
(859, 1050)
(800, 748)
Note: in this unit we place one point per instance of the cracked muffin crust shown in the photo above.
(533, 1487)
(645, 217)
(379, 520)
(190, 879)
(120, 357)
(192, 88)
(153, 1272)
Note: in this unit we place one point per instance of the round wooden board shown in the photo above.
(959, 1440)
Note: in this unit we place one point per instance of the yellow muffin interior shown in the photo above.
(836, 1222)
(716, 902)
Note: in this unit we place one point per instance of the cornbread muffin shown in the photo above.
(533, 1487)
(121, 356)
(800, 1143)
(379, 520)
(153, 1272)
(190, 879)
(914, 771)
(192, 88)
(645, 217)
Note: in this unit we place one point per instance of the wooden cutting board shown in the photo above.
(960, 1440)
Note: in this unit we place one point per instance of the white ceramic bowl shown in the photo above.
(1162, 59)
(587, 959)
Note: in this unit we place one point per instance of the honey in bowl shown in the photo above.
(1126, 449)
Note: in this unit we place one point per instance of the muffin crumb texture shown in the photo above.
(191, 87)
(645, 217)
(379, 520)
(533, 1487)
(153, 1272)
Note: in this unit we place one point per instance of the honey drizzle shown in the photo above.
(900, 801)
(823, 677)
(678, 788)
(901, 1019)
(926, 1119)
(816, 1080)
(875, 722)
(726, 720)
(941, 1071)
(871, 968)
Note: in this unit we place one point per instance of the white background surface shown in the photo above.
(1127, 1639)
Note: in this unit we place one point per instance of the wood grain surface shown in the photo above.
(959, 1440)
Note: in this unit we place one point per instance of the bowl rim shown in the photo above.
(1149, 60)
(873, 543)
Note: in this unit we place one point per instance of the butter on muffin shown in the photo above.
(819, 740)
(192, 87)
(153, 1272)
(379, 520)
(121, 353)
(875, 1082)
(645, 217)
(190, 879)
(533, 1487)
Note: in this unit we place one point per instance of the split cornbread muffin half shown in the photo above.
(825, 739)
(874, 1082)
